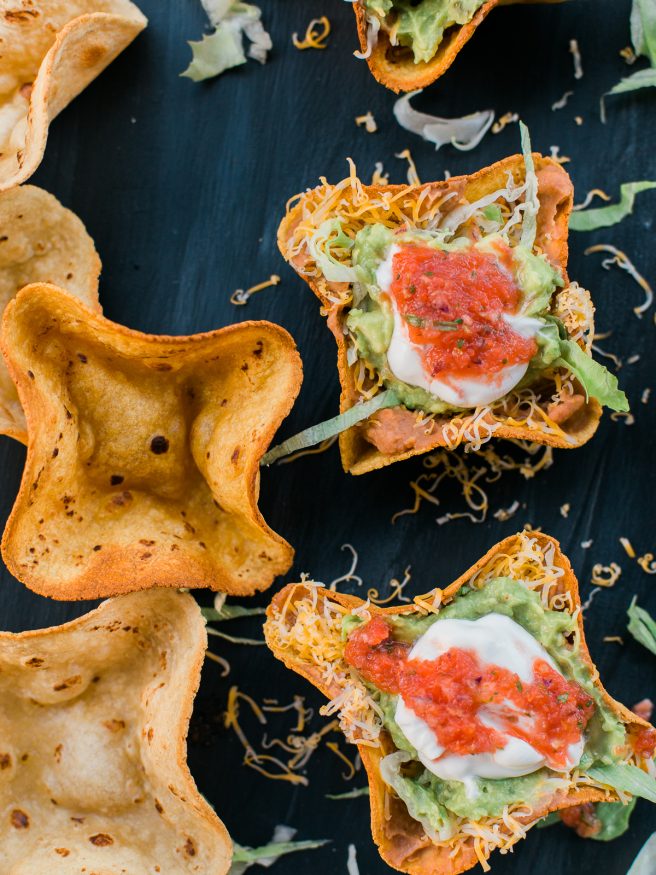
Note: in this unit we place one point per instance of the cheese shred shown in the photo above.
(318, 31)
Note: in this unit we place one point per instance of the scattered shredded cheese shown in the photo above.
(413, 176)
(605, 575)
(628, 55)
(379, 177)
(629, 418)
(645, 395)
(562, 102)
(613, 639)
(241, 296)
(576, 57)
(590, 196)
(397, 591)
(565, 509)
(622, 260)
(504, 514)
(350, 574)
(578, 119)
(587, 544)
(318, 31)
(368, 121)
(503, 121)
(632, 360)
(628, 548)
(225, 665)
(557, 157)
(647, 563)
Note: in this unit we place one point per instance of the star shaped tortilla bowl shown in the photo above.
(51, 50)
(93, 770)
(143, 454)
(296, 635)
(394, 66)
(40, 241)
(397, 433)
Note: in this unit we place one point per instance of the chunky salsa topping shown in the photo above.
(454, 304)
(550, 713)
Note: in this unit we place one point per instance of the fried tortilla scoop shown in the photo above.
(394, 65)
(420, 823)
(336, 238)
(51, 50)
(142, 460)
(93, 754)
(40, 241)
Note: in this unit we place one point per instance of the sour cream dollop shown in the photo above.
(463, 303)
(496, 640)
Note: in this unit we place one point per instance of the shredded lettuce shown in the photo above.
(230, 612)
(243, 857)
(614, 818)
(317, 433)
(555, 348)
(420, 801)
(604, 217)
(626, 779)
(643, 37)
(224, 49)
(645, 862)
(642, 626)
(327, 235)
(464, 133)
(532, 204)
(350, 794)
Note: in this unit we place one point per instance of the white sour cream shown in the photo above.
(406, 362)
(496, 640)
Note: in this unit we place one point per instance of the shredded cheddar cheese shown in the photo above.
(368, 121)
(621, 259)
(647, 563)
(318, 31)
(590, 196)
(576, 57)
(241, 296)
(628, 548)
(503, 121)
(413, 176)
(605, 575)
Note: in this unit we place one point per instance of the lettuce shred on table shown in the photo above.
(643, 37)
(224, 48)
(267, 855)
(604, 217)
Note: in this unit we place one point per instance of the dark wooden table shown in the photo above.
(182, 186)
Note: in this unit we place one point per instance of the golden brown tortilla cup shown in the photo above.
(143, 451)
(394, 66)
(93, 754)
(401, 840)
(40, 241)
(360, 446)
(51, 50)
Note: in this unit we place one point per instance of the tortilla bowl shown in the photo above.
(93, 754)
(40, 241)
(394, 66)
(398, 433)
(401, 840)
(143, 453)
(51, 51)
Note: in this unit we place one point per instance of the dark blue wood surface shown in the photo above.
(182, 186)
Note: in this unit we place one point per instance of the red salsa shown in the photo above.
(453, 304)
(550, 713)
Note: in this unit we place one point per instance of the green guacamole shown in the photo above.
(371, 321)
(431, 800)
(420, 25)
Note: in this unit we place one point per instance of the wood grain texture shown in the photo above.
(182, 187)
